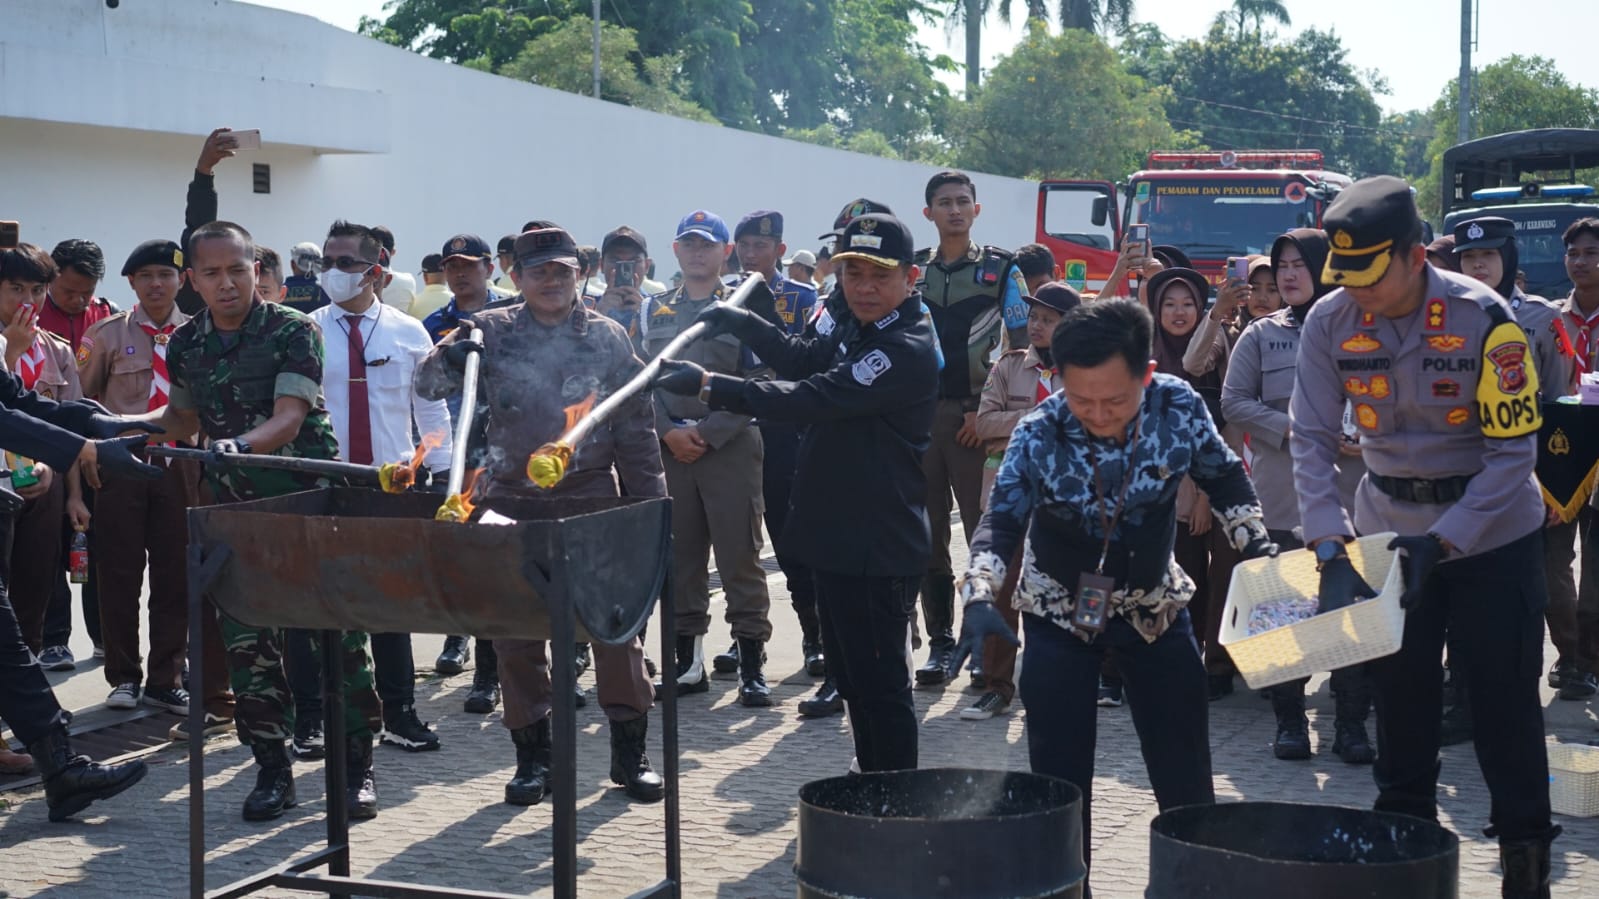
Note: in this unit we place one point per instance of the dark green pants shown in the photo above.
(265, 707)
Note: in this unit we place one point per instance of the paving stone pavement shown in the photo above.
(443, 822)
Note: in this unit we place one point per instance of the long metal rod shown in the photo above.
(336, 769)
(669, 758)
(463, 427)
(642, 380)
(201, 574)
(563, 729)
(362, 474)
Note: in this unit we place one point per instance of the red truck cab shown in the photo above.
(1211, 205)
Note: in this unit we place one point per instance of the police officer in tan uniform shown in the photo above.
(713, 462)
(1449, 453)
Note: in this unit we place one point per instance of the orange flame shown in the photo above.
(398, 477)
(575, 413)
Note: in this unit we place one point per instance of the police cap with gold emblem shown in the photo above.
(760, 223)
(535, 248)
(1364, 225)
(154, 252)
(853, 209)
(878, 238)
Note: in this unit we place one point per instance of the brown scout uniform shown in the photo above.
(36, 547)
(135, 517)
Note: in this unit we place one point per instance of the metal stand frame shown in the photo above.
(203, 570)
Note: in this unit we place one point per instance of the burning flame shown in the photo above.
(458, 507)
(398, 477)
(547, 465)
(575, 413)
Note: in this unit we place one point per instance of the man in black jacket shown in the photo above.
(857, 518)
(200, 206)
(55, 435)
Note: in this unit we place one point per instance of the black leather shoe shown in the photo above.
(530, 783)
(630, 766)
(274, 782)
(825, 703)
(1293, 731)
(752, 689)
(726, 662)
(361, 793)
(1218, 686)
(935, 671)
(815, 659)
(452, 660)
(308, 742)
(72, 782)
(583, 658)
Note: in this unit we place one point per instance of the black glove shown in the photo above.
(678, 376)
(457, 352)
(104, 427)
(720, 318)
(979, 621)
(115, 457)
(1261, 547)
(763, 303)
(1421, 555)
(230, 446)
(1341, 585)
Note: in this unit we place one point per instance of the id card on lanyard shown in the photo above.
(1094, 589)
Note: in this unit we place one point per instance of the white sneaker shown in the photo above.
(985, 708)
(124, 696)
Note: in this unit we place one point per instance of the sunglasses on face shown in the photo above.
(344, 263)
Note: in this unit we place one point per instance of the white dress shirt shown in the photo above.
(398, 342)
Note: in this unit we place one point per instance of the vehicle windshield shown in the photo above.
(1213, 219)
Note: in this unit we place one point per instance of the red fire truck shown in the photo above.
(1210, 205)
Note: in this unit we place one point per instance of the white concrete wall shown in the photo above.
(102, 113)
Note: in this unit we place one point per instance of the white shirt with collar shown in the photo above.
(394, 344)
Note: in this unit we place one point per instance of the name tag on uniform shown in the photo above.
(1093, 602)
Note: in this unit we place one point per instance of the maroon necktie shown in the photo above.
(360, 449)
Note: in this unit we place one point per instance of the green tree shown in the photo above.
(1243, 11)
(884, 82)
(1259, 92)
(1513, 94)
(484, 34)
(1097, 16)
(1062, 106)
(563, 59)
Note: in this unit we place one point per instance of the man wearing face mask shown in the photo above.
(1260, 382)
(367, 382)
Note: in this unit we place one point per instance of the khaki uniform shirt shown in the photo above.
(1010, 392)
(58, 376)
(664, 318)
(114, 360)
(1449, 390)
(1260, 382)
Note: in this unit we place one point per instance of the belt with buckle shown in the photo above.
(1427, 491)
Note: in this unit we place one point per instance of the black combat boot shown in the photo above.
(1524, 867)
(630, 767)
(726, 662)
(361, 792)
(1293, 731)
(811, 641)
(825, 703)
(274, 782)
(938, 612)
(752, 689)
(71, 782)
(530, 783)
(690, 668)
(485, 692)
(1350, 706)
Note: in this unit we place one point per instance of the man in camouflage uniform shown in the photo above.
(249, 374)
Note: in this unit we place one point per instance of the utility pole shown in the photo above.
(1464, 98)
(597, 45)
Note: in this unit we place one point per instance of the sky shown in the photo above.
(1414, 44)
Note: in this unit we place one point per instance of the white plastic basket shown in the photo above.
(1360, 632)
(1574, 779)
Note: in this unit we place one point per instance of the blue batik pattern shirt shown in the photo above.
(1044, 500)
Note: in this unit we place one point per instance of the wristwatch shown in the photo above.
(1329, 549)
(245, 449)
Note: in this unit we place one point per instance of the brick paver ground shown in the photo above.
(442, 819)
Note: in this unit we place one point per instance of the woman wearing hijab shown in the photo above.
(1177, 301)
(1255, 396)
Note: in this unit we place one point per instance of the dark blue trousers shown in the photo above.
(1165, 689)
(26, 701)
